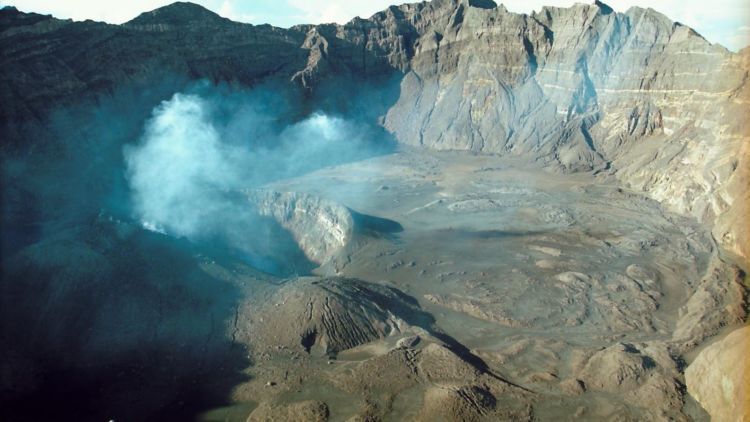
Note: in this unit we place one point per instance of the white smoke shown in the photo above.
(197, 149)
(179, 163)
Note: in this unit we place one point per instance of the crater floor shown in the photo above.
(567, 293)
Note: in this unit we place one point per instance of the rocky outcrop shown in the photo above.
(458, 403)
(718, 301)
(644, 374)
(719, 378)
(307, 411)
(451, 387)
(320, 227)
(330, 315)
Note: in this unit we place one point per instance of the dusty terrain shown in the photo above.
(532, 295)
(444, 211)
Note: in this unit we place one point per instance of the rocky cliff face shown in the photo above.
(584, 88)
(719, 378)
(321, 228)
(581, 88)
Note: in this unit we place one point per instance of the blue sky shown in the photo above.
(724, 21)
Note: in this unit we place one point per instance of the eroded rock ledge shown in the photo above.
(320, 227)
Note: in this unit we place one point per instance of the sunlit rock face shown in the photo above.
(584, 88)
(320, 227)
(719, 378)
(579, 88)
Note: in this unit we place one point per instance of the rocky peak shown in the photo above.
(638, 14)
(7, 14)
(744, 56)
(13, 21)
(605, 8)
(482, 4)
(452, 4)
(178, 14)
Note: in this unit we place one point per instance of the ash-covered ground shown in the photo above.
(486, 290)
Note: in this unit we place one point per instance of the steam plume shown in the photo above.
(198, 148)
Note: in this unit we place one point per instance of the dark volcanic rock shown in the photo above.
(176, 15)
(49, 62)
(110, 321)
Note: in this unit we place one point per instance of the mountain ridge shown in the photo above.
(178, 13)
(583, 88)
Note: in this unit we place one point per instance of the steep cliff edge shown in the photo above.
(719, 378)
(585, 88)
(581, 88)
(320, 227)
